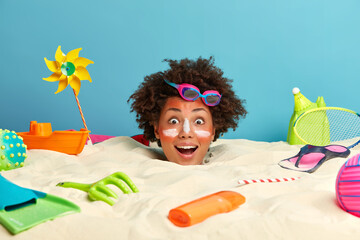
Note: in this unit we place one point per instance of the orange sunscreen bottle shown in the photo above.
(200, 209)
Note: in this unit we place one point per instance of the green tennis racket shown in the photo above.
(325, 125)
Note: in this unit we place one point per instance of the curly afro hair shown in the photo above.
(152, 94)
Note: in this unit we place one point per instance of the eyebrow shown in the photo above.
(198, 110)
(194, 110)
(173, 109)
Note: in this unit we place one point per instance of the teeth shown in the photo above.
(186, 147)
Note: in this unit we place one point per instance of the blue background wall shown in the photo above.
(266, 46)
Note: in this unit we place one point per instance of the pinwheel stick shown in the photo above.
(81, 113)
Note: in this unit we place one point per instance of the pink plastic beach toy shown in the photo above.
(348, 186)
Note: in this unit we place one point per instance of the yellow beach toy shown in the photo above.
(302, 105)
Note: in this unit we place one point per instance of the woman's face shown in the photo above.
(185, 130)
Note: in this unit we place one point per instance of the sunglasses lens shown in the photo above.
(190, 94)
(212, 99)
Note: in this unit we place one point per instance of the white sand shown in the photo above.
(302, 209)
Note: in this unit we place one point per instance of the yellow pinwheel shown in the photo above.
(68, 69)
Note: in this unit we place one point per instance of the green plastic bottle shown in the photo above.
(302, 104)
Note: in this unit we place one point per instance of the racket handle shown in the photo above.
(200, 209)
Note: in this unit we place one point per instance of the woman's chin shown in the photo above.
(188, 161)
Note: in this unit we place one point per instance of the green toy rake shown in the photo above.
(99, 190)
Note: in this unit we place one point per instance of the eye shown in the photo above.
(173, 121)
(199, 121)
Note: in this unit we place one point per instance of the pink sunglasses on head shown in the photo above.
(191, 93)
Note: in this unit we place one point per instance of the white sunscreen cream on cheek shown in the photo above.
(201, 133)
(186, 126)
(170, 132)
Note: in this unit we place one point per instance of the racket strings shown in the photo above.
(343, 125)
(329, 125)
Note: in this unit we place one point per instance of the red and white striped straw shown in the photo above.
(266, 180)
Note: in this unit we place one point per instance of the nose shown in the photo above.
(186, 131)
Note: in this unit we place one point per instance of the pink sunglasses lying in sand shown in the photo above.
(310, 157)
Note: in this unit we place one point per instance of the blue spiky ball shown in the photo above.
(12, 150)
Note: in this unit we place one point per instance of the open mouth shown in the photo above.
(186, 150)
